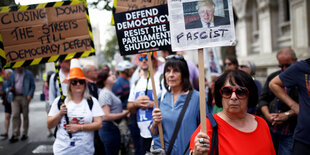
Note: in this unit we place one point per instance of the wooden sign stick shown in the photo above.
(160, 129)
(202, 90)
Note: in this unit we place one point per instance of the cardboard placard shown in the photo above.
(60, 28)
(201, 23)
(143, 30)
(128, 5)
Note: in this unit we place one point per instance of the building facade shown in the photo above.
(265, 26)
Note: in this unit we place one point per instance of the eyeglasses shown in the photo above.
(227, 64)
(284, 65)
(178, 57)
(142, 57)
(75, 82)
(241, 92)
(244, 66)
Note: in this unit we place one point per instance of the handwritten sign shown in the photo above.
(199, 24)
(128, 5)
(45, 32)
(143, 30)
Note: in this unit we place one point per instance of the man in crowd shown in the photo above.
(23, 86)
(297, 75)
(91, 72)
(140, 102)
(121, 89)
(231, 63)
(282, 120)
(206, 16)
(53, 83)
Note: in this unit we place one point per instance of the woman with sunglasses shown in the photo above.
(239, 132)
(113, 113)
(178, 85)
(83, 118)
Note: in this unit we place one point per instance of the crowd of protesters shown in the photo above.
(112, 110)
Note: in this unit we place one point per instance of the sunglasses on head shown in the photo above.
(241, 92)
(178, 57)
(284, 65)
(75, 82)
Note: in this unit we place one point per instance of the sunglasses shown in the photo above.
(142, 57)
(244, 66)
(284, 65)
(228, 64)
(241, 92)
(178, 57)
(75, 82)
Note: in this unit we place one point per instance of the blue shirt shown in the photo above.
(121, 89)
(170, 114)
(299, 75)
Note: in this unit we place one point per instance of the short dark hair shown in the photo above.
(181, 65)
(102, 76)
(236, 77)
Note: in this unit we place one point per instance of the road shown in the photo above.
(38, 142)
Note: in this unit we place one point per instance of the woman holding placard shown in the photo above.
(237, 131)
(177, 83)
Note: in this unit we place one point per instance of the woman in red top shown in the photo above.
(239, 133)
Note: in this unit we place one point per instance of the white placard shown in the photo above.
(199, 24)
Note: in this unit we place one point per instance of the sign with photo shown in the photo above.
(199, 24)
(143, 30)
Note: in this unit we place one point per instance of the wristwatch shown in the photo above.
(287, 114)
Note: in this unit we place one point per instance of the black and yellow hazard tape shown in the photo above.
(42, 60)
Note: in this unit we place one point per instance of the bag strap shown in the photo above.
(214, 141)
(177, 126)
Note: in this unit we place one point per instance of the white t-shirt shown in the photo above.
(144, 116)
(78, 114)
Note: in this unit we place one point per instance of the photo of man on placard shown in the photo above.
(202, 15)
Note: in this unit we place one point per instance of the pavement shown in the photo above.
(37, 142)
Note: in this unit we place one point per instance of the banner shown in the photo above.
(128, 5)
(199, 24)
(143, 30)
(47, 32)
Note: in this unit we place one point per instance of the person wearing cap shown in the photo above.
(121, 89)
(23, 86)
(83, 118)
(140, 103)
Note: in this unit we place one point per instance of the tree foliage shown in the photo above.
(111, 48)
(7, 2)
(102, 4)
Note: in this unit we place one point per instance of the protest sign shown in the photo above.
(128, 5)
(199, 24)
(46, 32)
(143, 30)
